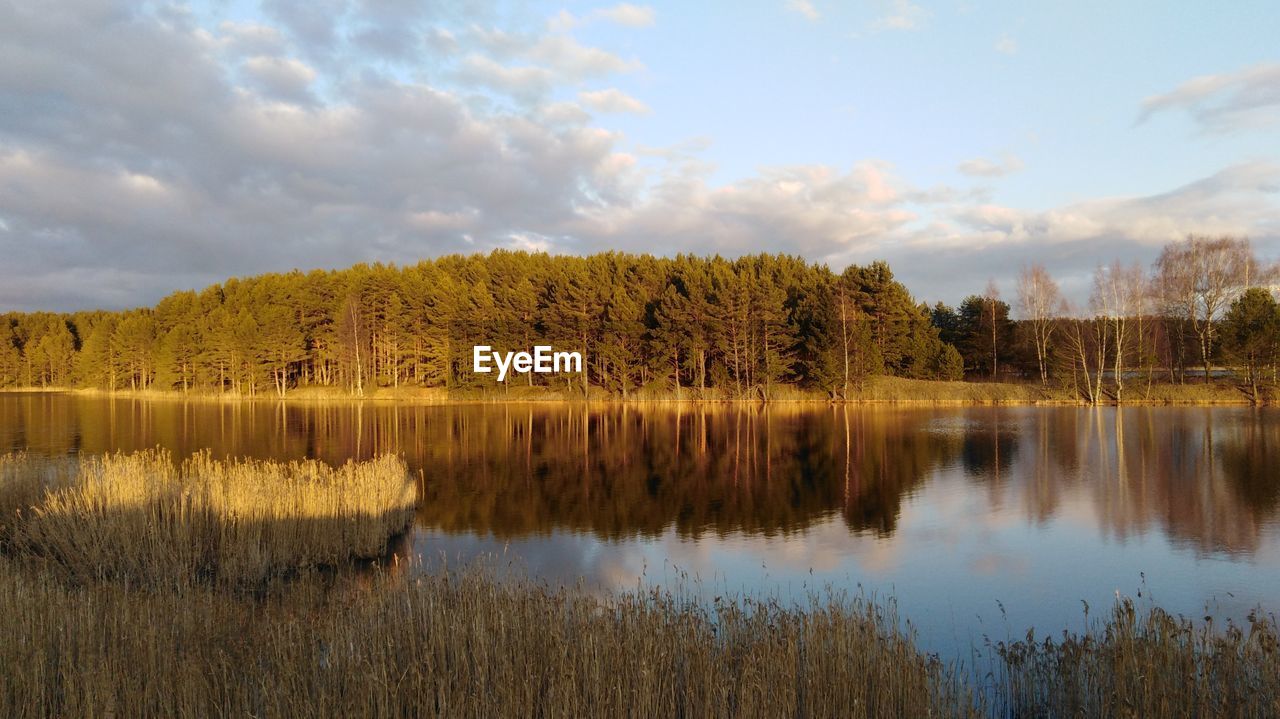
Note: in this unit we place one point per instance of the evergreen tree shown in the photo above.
(985, 334)
(10, 355)
(1251, 336)
(133, 342)
(281, 346)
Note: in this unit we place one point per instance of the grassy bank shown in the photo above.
(115, 632)
(877, 390)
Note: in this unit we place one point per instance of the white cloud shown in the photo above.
(1225, 102)
(804, 8)
(574, 61)
(1006, 45)
(554, 114)
(984, 240)
(522, 81)
(501, 57)
(813, 210)
(612, 100)
(529, 242)
(564, 21)
(628, 15)
(282, 78)
(251, 38)
(435, 221)
(985, 167)
(901, 15)
(625, 14)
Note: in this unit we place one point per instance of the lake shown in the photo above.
(979, 521)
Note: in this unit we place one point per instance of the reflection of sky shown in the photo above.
(954, 561)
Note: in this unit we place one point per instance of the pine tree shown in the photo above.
(134, 343)
(1251, 336)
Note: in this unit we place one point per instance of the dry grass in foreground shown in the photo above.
(464, 646)
(468, 646)
(106, 611)
(149, 521)
(1143, 664)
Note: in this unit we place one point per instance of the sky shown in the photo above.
(152, 147)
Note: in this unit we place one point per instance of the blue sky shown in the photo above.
(158, 146)
(1058, 85)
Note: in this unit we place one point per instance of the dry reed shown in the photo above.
(460, 646)
(147, 520)
(1143, 664)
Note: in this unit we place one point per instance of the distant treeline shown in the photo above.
(1207, 302)
(678, 326)
(740, 327)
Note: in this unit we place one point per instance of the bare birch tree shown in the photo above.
(1116, 300)
(1038, 299)
(991, 299)
(1085, 341)
(1199, 278)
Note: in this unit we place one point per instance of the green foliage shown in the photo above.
(1251, 334)
(949, 364)
(983, 333)
(947, 321)
(738, 328)
(10, 355)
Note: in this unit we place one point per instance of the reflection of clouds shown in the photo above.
(995, 564)
(1079, 511)
(827, 547)
(823, 554)
(881, 558)
(559, 558)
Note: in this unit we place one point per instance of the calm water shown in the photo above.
(953, 511)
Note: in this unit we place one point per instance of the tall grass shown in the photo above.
(461, 646)
(148, 520)
(1143, 664)
(107, 608)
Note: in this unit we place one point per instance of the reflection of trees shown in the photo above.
(700, 470)
(1206, 477)
(1250, 455)
(990, 446)
(515, 470)
(887, 455)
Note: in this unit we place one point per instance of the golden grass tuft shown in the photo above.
(147, 520)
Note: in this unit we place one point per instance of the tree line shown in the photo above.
(684, 325)
(1207, 303)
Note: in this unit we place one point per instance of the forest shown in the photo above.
(686, 326)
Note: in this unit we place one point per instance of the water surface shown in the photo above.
(980, 521)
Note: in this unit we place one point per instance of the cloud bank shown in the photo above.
(170, 153)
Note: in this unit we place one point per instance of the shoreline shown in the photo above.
(885, 391)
